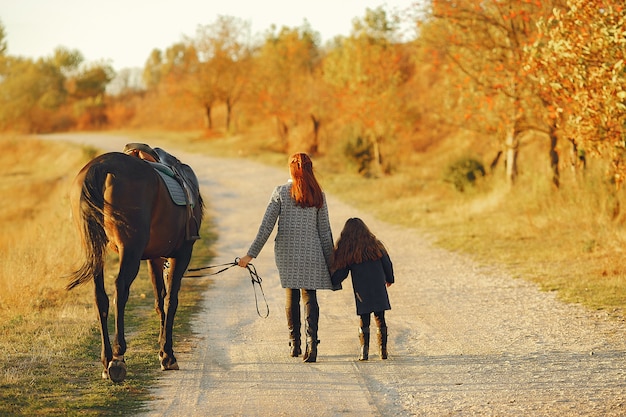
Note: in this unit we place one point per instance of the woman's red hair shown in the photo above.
(305, 189)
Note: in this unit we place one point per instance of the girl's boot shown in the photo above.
(364, 339)
(382, 342)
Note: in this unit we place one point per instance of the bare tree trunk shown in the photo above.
(314, 149)
(376, 169)
(283, 133)
(207, 114)
(494, 162)
(554, 156)
(512, 149)
(578, 159)
(229, 109)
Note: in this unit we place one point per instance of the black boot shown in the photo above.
(364, 339)
(382, 342)
(294, 348)
(293, 325)
(312, 316)
(310, 354)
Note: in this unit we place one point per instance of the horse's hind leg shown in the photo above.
(102, 304)
(155, 270)
(129, 267)
(177, 268)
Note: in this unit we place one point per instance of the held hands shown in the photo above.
(244, 261)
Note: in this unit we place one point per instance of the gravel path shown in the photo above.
(464, 340)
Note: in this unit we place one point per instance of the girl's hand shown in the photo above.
(388, 284)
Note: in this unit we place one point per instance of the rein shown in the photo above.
(254, 278)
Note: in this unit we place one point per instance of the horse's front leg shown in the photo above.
(102, 305)
(129, 267)
(155, 270)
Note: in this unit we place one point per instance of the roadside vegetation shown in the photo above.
(49, 337)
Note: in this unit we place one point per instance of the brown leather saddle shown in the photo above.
(168, 166)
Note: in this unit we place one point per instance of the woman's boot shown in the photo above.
(310, 354)
(364, 339)
(293, 325)
(382, 342)
(312, 316)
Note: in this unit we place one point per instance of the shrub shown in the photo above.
(464, 172)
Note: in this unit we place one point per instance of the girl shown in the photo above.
(359, 252)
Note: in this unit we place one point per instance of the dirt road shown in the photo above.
(464, 340)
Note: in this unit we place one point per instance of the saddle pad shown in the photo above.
(176, 190)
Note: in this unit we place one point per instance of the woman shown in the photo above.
(303, 249)
(361, 254)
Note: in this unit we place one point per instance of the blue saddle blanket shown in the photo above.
(175, 189)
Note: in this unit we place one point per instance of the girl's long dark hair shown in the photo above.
(305, 189)
(356, 244)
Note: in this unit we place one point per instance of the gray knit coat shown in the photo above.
(303, 244)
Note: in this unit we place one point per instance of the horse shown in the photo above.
(121, 202)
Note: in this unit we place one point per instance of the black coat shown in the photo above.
(368, 283)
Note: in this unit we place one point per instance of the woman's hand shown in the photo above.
(244, 261)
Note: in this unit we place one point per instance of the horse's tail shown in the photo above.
(91, 219)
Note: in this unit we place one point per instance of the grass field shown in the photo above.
(49, 337)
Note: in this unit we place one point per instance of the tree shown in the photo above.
(285, 68)
(31, 91)
(3, 40)
(223, 64)
(86, 88)
(580, 64)
(366, 70)
(152, 70)
(486, 41)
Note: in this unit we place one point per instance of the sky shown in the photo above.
(124, 32)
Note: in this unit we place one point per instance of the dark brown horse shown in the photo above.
(120, 201)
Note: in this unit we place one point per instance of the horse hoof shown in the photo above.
(170, 367)
(105, 374)
(117, 370)
(167, 367)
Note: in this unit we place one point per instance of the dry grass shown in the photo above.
(49, 336)
(37, 234)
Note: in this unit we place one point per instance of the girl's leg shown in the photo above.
(312, 315)
(379, 316)
(292, 309)
(364, 336)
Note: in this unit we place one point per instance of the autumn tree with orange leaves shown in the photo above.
(285, 74)
(486, 41)
(223, 64)
(579, 61)
(367, 70)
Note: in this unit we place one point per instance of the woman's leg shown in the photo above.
(312, 315)
(292, 308)
(364, 336)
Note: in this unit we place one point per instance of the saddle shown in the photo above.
(168, 166)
